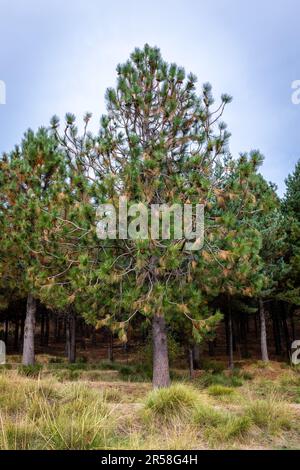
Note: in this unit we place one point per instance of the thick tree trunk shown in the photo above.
(263, 332)
(161, 373)
(28, 344)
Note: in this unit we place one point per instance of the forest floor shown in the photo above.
(112, 406)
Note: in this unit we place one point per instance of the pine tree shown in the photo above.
(30, 180)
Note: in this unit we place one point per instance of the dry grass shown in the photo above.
(45, 410)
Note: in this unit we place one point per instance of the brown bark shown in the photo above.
(28, 344)
(263, 333)
(161, 373)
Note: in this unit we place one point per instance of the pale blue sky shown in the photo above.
(58, 56)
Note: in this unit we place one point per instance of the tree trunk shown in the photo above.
(28, 344)
(230, 338)
(71, 338)
(263, 332)
(191, 363)
(161, 373)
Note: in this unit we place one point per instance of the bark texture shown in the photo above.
(161, 373)
(263, 333)
(28, 345)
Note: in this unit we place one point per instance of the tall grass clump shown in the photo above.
(219, 390)
(270, 415)
(176, 401)
(220, 426)
(82, 421)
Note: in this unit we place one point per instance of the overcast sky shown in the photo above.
(58, 56)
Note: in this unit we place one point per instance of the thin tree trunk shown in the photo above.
(28, 344)
(230, 338)
(191, 363)
(71, 338)
(161, 372)
(263, 332)
(72, 357)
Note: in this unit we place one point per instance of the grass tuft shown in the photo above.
(177, 400)
(219, 390)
